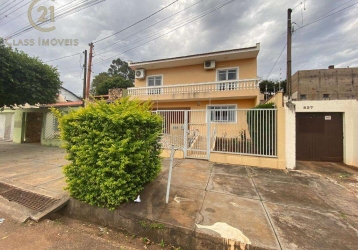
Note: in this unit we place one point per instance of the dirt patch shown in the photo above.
(60, 232)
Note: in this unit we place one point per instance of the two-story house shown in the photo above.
(206, 102)
(216, 80)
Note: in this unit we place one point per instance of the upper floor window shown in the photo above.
(154, 81)
(303, 97)
(326, 97)
(227, 75)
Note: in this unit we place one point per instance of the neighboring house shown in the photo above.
(324, 123)
(325, 84)
(206, 100)
(66, 95)
(35, 123)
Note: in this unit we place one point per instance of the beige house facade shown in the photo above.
(206, 101)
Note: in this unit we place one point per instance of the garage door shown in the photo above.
(319, 136)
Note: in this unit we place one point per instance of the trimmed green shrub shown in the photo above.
(113, 148)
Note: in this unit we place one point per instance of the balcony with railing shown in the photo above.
(248, 88)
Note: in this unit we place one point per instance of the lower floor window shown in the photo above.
(225, 113)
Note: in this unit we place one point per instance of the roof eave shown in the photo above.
(251, 52)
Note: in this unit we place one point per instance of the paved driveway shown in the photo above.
(33, 165)
(313, 207)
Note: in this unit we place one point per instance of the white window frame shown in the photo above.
(227, 85)
(208, 109)
(154, 91)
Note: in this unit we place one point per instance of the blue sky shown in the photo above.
(331, 40)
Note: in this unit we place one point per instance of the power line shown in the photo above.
(16, 9)
(200, 14)
(165, 33)
(136, 22)
(276, 61)
(62, 57)
(65, 7)
(7, 6)
(132, 34)
(317, 20)
(19, 15)
(66, 12)
(325, 16)
(152, 25)
(4, 2)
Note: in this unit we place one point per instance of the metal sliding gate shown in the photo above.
(236, 131)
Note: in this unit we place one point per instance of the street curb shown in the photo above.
(156, 231)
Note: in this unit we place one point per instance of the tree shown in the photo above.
(117, 69)
(273, 86)
(113, 83)
(98, 80)
(25, 79)
(121, 68)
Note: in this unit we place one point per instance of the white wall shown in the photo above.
(290, 137)
(68, 96)
(349, 108)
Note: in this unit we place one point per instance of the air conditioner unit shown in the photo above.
(139, 73)
(209, 65)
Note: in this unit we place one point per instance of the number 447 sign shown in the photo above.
(44, 10)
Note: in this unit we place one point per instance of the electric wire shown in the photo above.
(188, 19)
(136, 22)
(20, 15)
(68, 10)
(16, 9)
(65, 7)
(4, 2)
(7, 6)
(276, 61)
(163, 34)
(327, 15)
(152, 25)
(56, 59)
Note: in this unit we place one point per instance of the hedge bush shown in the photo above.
(113, 149)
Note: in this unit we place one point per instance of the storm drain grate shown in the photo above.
(28, 199)
(4, 187)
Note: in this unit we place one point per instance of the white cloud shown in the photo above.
(242, 23)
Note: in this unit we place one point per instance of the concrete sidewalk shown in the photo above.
(314, 207)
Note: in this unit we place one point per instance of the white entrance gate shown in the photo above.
(187, 130)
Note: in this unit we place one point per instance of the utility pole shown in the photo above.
(89, 70)
(289, 42)
(84, 78)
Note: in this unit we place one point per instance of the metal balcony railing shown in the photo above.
(191, 88)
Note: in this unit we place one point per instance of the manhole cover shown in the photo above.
(28, 199)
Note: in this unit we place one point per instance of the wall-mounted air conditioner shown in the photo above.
(209, 65)
(139, 73)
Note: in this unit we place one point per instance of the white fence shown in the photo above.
(195, 87)
(236, 131)
(51, 127)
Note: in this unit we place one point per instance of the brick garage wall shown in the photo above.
(338, 83)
